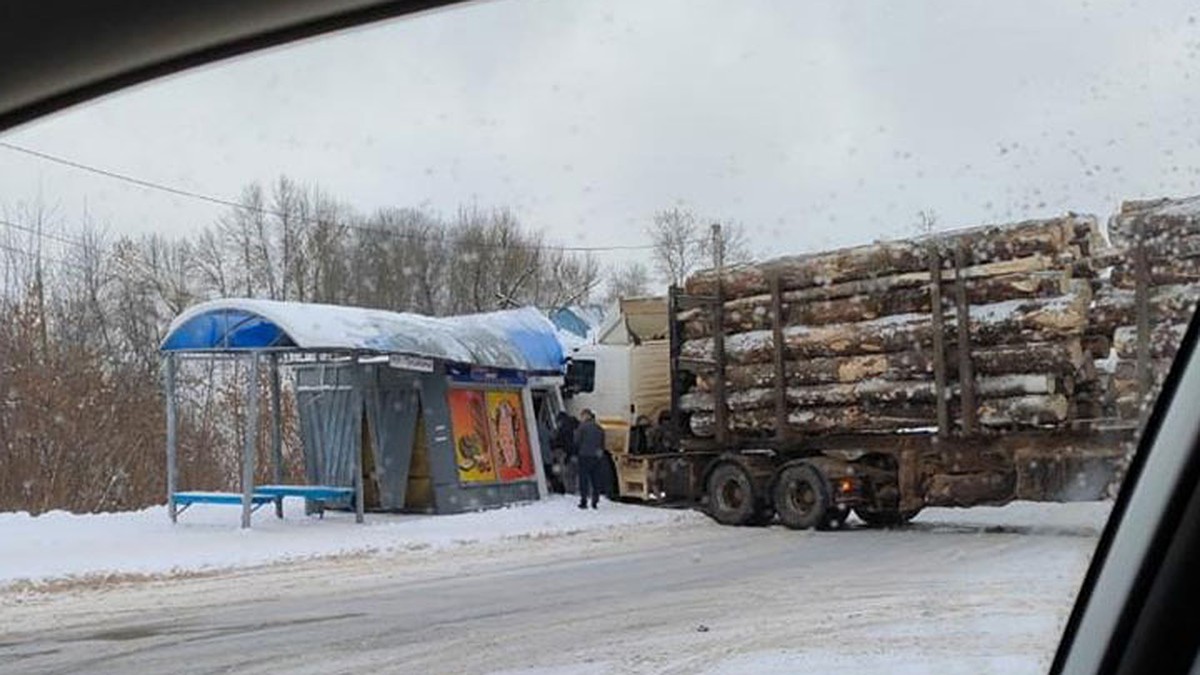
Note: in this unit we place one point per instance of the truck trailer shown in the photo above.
(982, 366)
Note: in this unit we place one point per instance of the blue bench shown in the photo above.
(268, 494)
(185, 499)
(317, 493)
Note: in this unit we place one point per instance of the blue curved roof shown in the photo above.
(523, 339)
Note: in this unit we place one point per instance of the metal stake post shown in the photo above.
(248, 452)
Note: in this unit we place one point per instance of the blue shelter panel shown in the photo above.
(226, 329)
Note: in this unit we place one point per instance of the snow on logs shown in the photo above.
(1167, 233)
(857, 331)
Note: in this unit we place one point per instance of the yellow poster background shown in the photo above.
(472, 446)
(509, 435)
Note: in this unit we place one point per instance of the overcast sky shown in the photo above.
(816, 124)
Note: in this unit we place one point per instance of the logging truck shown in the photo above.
(975, 367)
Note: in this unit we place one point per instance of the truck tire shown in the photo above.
(731, 498)
(802, 498)
(888, 518)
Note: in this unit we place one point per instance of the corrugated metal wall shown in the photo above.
(330, 423)
(392, 405)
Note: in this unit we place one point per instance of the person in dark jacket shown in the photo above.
(589, 445)
(562, 445)
(549, 467)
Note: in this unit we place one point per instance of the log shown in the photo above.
(1061, 359)
(1019, 321)
(894, 366)
(1165, 247)
(1020, 411)
(1159, 218)
(1115, 307)
(1165, 339)
(813, 421)
(1014, 321)
(872, 391)
(1037, 410)
(754, 312)
(1054, 238)
(1166, 272)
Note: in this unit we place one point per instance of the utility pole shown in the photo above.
(718, 249)
(720, 410)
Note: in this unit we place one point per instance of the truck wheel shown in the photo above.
(801, 498)
(731, 499)
(887, 518)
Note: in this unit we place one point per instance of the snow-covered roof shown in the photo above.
(523, 338)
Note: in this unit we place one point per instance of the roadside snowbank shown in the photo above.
(60, 545)
(1076, 518)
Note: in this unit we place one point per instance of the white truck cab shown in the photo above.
(623, 373)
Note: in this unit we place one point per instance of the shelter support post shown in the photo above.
(535, 447)
(172, 466)
(248, 451)
(276, 432)
(359, 487)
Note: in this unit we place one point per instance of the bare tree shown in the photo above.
(627, 281)
(683, 243)
(212, 264)
(926, 222)
(675, 235)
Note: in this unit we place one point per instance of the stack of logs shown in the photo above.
(861, 342)
(1155, 256)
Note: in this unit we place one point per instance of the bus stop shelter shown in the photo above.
(383, 396)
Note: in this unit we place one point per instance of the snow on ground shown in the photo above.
(981, 590)
(59, 545)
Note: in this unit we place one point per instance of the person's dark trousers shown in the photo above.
(589, 481)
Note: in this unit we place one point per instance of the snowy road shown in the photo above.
(961, 591)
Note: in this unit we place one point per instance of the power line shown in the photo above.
(190, 194)
(63, 239)
(42, 256)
